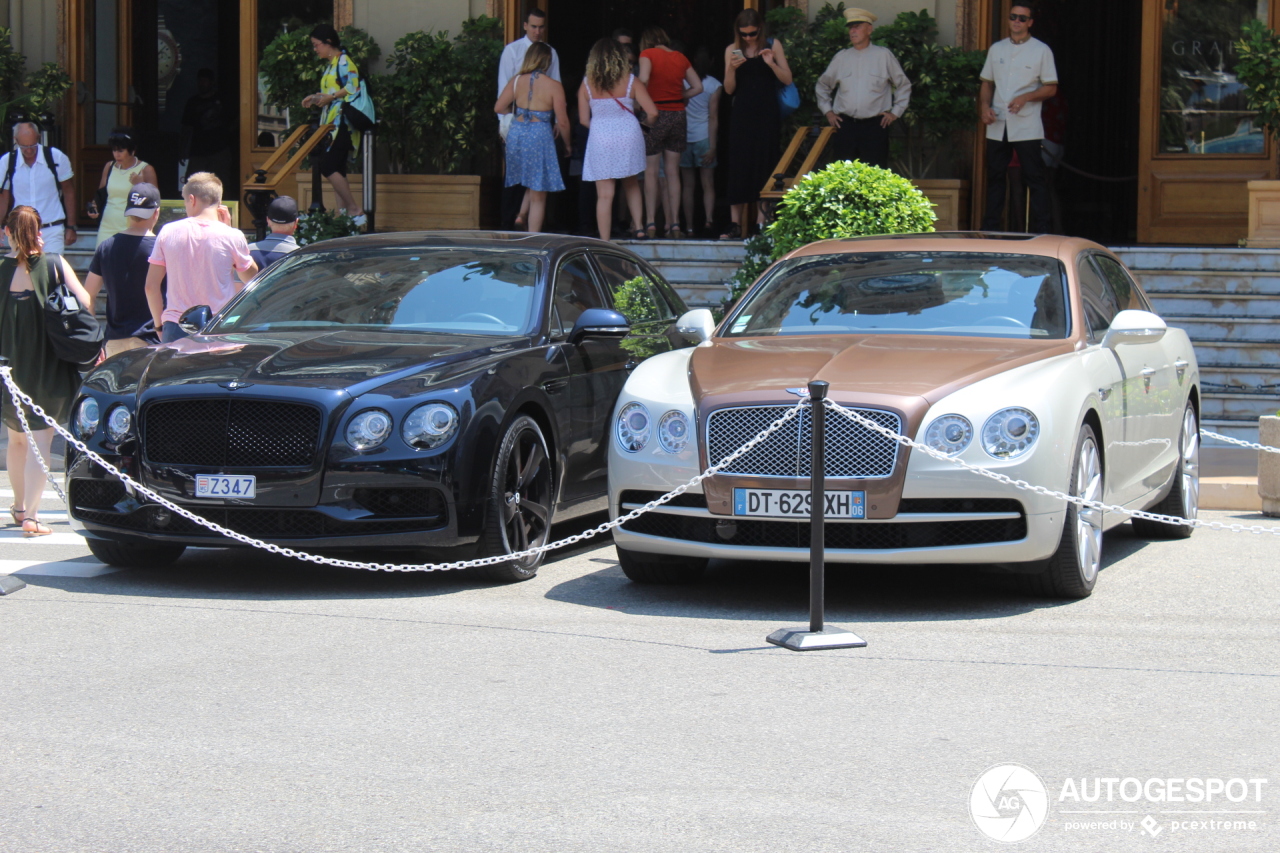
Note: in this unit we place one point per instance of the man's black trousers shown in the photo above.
(999, 154)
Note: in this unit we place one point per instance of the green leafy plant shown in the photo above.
(436, 102)
(324, 225)
(1258, 68)
(846, 199)
(32, 95)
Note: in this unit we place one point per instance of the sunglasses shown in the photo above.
(1020, 18)
(748, 34)
(29, 147)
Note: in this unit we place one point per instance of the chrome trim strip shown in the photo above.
(905, 518)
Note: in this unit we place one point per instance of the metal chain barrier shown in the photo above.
(1249, 444)
(20, 397)
(1041, 490)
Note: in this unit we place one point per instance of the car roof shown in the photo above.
(534, 243)
(1047, 245)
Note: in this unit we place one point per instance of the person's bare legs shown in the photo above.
(671, 201)
(604, 206)
(342, 190)
(686, 194)
(16, 464)
(708, 194)
(631, 187)
(522, 218)
(651, 187)
(537, 201)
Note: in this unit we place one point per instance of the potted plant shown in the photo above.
(27, 96)
(1258, 68)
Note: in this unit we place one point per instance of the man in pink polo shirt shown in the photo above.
(206, 260)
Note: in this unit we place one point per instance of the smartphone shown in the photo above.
(737, 53)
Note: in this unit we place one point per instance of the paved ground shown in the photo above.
(240, 703)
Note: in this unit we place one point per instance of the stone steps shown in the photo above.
(697, 269)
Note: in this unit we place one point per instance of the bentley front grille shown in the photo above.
(231, 433)
(853, 451)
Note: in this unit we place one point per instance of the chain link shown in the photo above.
(1249, 444)
(1041, 490)
(22, 397)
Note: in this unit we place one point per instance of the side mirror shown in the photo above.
(696, 325)
(1134, 327)
(599, 323)
(194, 319)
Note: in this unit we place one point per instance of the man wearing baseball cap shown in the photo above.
(282, 218)
(120, 263)
(862, 92)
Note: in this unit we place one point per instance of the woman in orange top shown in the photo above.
(666, 73)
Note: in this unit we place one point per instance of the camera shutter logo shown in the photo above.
(1009, 803)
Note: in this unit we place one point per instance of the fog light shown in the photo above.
(158, 517)
(726, 529)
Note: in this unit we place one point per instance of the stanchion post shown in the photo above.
(368, 183)
(819, 636)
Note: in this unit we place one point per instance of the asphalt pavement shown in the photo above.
(242, 702)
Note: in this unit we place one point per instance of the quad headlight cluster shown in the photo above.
(634, 428)
(88, 415)
(427, 427)
(1007, 434)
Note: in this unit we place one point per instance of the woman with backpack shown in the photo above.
(344, 103)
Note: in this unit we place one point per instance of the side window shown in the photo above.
(635, 295)
(1099, 300)
(1127, 292)
(575, 291)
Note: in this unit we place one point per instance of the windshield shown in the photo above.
(458, 291)
(935, 293)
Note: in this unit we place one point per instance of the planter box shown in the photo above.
(1264, 215)
(1269, 463)
(950, 199)
(413, 202)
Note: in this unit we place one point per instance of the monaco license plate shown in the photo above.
(786, 503)
(226, 486)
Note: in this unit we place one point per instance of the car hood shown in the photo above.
(345, 360)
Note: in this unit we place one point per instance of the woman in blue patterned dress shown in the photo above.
(532, 161)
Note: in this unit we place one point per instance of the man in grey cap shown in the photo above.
(282, 218)
(862, 92)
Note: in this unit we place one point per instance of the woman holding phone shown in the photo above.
(754, 67)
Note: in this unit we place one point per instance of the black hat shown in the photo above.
(283, 210)
(144, 200)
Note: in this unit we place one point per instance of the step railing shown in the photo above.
(264, 186)
(786, 173)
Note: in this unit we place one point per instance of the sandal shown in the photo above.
(640, 235)
(674, 233)
(651, 231)
(15, 512)
(734, 233)
(519, 225)
(35, 529)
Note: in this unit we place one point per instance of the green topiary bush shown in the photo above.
(848, 199)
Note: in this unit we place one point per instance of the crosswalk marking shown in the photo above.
(55, 568)
(8, 493)
(13, 536)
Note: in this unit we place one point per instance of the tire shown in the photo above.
(521, 501)
(1183, 500)
(661, 568)
(1072, 571)
(128, 556)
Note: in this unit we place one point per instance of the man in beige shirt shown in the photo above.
(870, 93)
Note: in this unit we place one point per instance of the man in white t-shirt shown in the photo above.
(26, 177)
(1018, 75)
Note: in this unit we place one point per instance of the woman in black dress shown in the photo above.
(755, 66)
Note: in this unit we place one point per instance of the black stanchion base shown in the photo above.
(803, 640)
(8, 584)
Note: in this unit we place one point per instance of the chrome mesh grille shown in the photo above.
(853, 451)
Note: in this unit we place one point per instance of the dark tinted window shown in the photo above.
(635, 295)
(1128, 294)
(1101, 304)
(575, 292)
(936, 293)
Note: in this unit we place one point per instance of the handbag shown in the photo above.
(788, 95)
(359, 120)
(73, 331)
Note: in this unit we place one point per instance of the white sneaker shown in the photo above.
(360, 220)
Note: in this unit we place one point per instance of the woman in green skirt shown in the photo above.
(26, 274)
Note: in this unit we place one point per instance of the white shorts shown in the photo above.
(54, 238)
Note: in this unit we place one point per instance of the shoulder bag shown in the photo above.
(73, 331)
(788, 96)
(355, 116)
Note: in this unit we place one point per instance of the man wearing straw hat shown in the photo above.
(862, 92)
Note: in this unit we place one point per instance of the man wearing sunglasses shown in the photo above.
(40, 177)
(862, 92)
(1018, 75)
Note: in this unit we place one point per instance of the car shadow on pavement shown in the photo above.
(773, 591)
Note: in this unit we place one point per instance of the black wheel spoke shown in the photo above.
(537, 510)
(531, 466)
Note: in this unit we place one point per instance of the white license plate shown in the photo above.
(787, 503)
(226, 486)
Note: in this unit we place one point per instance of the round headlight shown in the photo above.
(949, 434)
(87, 416)
(119, 422)
(1010, 432)
(673, 431)
(430, 425)
(633, 427)
(368, 429)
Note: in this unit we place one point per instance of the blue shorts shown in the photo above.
(693, 154)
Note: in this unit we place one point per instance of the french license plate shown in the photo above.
(226, 486)
(786, 503)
